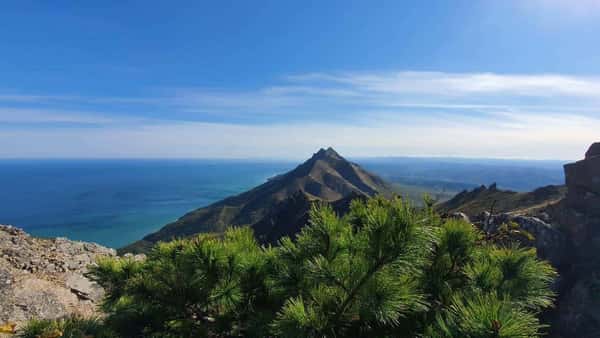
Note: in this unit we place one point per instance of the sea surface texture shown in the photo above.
(115, 202)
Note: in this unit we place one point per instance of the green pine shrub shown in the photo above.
(385, 269)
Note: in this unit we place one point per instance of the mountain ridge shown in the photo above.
(494, 200)
(326, 176)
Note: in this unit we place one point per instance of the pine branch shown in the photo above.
(350, 297)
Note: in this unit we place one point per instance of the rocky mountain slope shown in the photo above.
(44, 278)
(565, 225)
(278, 206)
(482, 199)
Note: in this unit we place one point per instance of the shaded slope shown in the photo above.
(289, 216)
(326, 176)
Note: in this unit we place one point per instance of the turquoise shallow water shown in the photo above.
(115, 202)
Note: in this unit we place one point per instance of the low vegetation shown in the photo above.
(383, 270)
(72, 327)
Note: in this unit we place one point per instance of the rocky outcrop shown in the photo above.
(583, 182)
(549, 241)
(495, 200)
(593, 151)
(564, 224)
(45, 278)
(567, 233)
(578, 308)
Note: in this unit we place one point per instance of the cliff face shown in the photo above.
(565, 223)
(44, 278)
(578, 309)
(583, 181)
(279, 205)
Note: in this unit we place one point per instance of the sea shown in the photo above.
(116, 202)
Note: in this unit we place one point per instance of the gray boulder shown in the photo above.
(45, 278)
(550, 242)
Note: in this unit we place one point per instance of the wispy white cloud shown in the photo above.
(409, 89)
(35, 98)
(460, 84)
(376, 113)
(531, 137)
(41, 116)
(356, 92)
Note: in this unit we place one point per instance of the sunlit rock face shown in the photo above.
(46, 278)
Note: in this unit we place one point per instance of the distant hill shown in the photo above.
(494, 200)
(443, 178)
(277, 207)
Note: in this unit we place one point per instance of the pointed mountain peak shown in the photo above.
(327, 153)
(282, 201)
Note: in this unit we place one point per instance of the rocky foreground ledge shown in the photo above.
(44, 278)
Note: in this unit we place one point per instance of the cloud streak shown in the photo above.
(358, 92)
(362, 113)
(522, 138)
(462, 84)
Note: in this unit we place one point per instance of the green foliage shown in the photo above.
(385, 269)
(194, 287)
(513, 273)
(71, 327)
(456, 244)
(353, 273)
(485, 316)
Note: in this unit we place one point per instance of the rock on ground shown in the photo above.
(44, 278)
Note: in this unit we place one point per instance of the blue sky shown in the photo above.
(510, 79)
